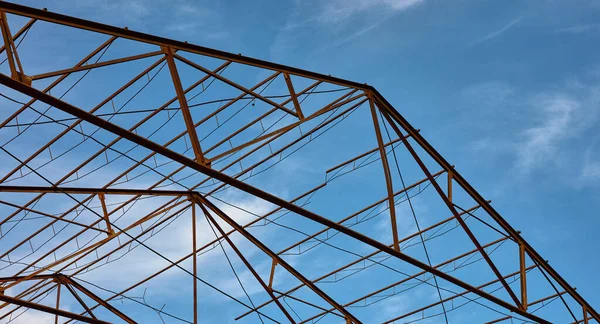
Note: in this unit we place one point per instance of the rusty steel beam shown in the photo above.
(489, 283)
(51, 216)
(450, 206)
(65, 280)
(114, 141)
(387, 175)
(243, 186)
(290, 86)
(233, 84)
(94, 65)
(84, 115)
(203, 201)
(16, 69)
(97, 299)
(87, 190)
(183, 104)
(49, 310)
(388, 110)
(389, 114)
(282, 130)
(20, 32)
(533, 303)
(266, 288)
(366, 257)
(220, 68)
(161, 41)
(411, 277)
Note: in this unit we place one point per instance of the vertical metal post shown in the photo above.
(523, 276)
(586, 318)
(450, 177)
(453, 210)
(194, 264)
(57, 301)
(388, 176)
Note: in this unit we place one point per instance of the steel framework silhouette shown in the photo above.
(96, 164)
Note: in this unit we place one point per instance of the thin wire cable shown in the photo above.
(231, 266)
(414, 216)
(141, 243)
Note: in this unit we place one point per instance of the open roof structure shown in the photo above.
(144, 179)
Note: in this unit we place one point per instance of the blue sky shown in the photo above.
(507, 91)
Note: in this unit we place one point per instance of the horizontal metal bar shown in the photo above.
(94, 65)
(80, 190)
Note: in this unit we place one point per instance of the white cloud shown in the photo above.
(121, 10)
(497, 32)
(341, 21)
(338, 11)
(538, 130)
(580, 29)
(32, 316)
(394, 306)
(541, 143)
(590, 170)
(342, 11)
(196, 20)
(174, 242)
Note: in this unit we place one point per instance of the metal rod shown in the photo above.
(387, 175)
(387, 107)
(246, 263)
(185, 109)
(50, 310)
(203, 201)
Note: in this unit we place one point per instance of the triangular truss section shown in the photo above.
(58, 285)
(263, 192)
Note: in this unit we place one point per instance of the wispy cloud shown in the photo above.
(114, 11)
(580, 29)
(538, 128)
(590, 170)
(540, 143)
(497, 32)
(341, 11)
(339, 21)
(32, 316)
(338, 12)
(197, 20)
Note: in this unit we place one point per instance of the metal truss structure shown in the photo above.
(103, 155)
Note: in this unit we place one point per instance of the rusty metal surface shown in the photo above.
(144, 134)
